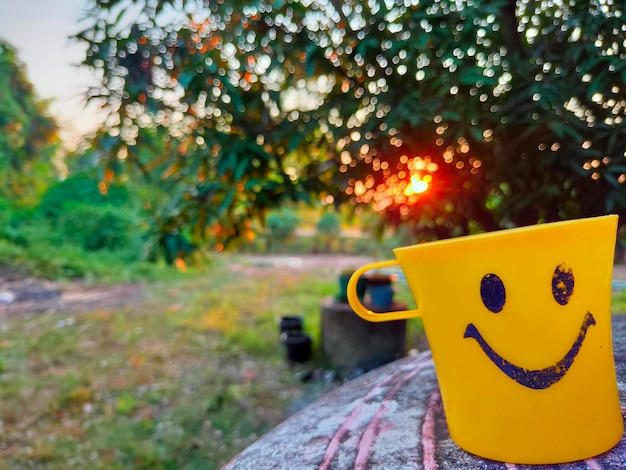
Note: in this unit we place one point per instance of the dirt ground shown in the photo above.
(38, 296)
(27, 295)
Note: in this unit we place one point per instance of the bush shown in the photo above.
(282, 224)
(57, 261)
(13, 235)
(80, 189)
(77, 238)
(329, 224)
(99, 227)
(9, 223)
(328, 229)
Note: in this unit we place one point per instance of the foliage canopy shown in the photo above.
(28, 135)
(447, 115)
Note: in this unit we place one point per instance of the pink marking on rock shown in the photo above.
(373, 428)
(593, 464)
(335, 443)
(428, 432)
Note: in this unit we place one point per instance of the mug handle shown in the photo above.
(362, 311)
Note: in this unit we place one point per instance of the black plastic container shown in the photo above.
(297, 346)
(290, 323)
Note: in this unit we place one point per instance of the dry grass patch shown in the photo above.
(184, 378)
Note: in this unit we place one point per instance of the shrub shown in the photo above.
(329, 224)
(80, 189)
(282, 224)
(9, 221)
(328, 229)
(13, 235)
(98, 227)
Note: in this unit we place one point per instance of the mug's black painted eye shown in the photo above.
(492, 292)
(562, 284)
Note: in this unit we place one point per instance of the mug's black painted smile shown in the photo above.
(540, 378)
(493, 294)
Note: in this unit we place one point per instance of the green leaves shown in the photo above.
(262, 102)
(27, 132)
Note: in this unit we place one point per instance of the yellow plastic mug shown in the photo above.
(519, 325)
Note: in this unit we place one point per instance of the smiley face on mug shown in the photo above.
(493, 294)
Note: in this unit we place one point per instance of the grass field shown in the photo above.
(183, 377)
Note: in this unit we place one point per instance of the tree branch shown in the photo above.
(508, 20)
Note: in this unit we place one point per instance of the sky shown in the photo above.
(40, 30)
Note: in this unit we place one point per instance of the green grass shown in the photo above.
(185, 379)
(618, 303)
(51, 260)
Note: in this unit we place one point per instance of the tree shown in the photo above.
(28, 135)
(452, 116)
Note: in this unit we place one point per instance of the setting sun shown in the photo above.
(404, 187)
(417, 185)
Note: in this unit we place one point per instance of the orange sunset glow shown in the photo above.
(405, 187)
(417, 184)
